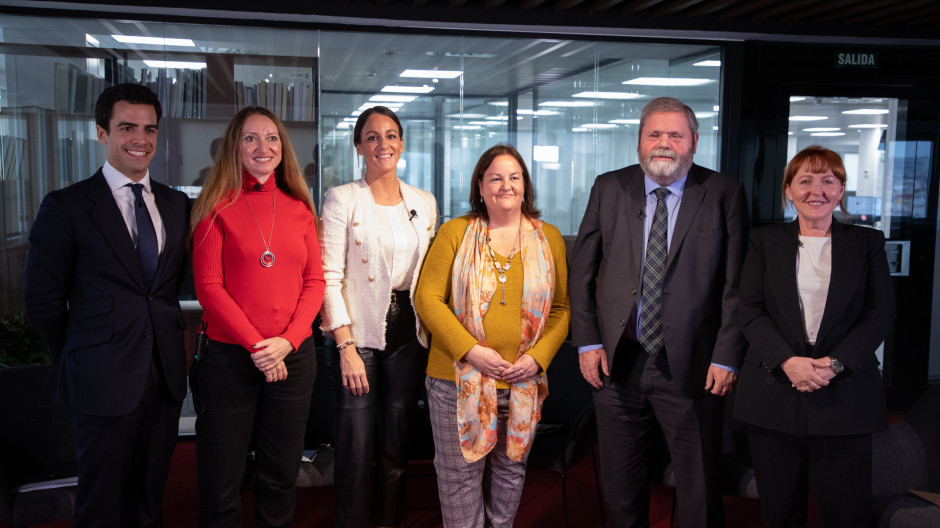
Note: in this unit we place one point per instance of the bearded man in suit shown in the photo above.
(105, 263)
(654, 312)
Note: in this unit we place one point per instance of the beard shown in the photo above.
(665, 172)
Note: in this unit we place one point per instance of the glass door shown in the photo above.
(886, 175)
(862, 131)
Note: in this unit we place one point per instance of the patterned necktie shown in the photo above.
(147, 248)
(651, 318)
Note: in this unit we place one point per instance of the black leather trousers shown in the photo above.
(370, 431)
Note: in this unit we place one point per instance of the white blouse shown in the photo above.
(399, 241)
(814, 267)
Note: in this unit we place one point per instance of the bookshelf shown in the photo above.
(48, 137)
(47, 119)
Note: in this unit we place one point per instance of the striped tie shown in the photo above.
(651, 318)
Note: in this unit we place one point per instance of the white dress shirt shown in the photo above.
(124, 197)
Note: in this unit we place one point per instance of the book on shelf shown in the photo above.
(182, 93)
(62, 84)
(289, 101)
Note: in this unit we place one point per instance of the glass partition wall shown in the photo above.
(570, 106)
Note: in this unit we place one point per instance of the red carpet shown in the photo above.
(541, 504)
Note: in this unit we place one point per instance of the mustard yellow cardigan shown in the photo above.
(502, 323)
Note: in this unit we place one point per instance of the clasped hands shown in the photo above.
(808, 374)
(491, 363)
(269, 357)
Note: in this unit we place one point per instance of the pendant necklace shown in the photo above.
(500, 269)
(267, 258)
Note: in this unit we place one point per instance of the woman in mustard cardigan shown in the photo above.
(493, 294)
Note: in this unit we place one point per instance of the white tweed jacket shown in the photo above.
(357, 273)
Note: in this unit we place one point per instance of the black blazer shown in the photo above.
(86, 295)
(700, 290)
(859, 310)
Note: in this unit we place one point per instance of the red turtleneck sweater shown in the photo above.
(242, 301)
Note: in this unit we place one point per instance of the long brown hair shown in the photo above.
(224, 183)
(477, 206)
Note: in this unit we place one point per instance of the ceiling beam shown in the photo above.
(564, 5)
(783, 8)
(747, 7)
(602, 5)
(926, 20)
(836, 8)
(530, 4)
(910, 6)
(910, 17)
(675, 6)
(861, 7)
(711, 7)
(639, 5)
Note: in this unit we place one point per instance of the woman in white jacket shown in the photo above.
(376, 231)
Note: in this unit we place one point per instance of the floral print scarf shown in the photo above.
(473, 283)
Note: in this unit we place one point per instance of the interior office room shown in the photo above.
(564, 81)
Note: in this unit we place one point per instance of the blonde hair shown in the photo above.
(224, 183)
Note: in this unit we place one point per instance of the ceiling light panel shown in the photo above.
(393, 98)
(408, 89)
(154, 41)
(180, 65)
(568, 103)
(866, 111)
(608, 95)
(431, 74)
(668, 81)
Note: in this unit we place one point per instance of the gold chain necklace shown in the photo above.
(500, 269)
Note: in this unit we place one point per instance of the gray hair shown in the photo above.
(669, 104)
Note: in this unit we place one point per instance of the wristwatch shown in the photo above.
(836, 365)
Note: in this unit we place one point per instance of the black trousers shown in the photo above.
(123, 460)
(639, 394)
(233, 402)
(373, 428)
(838, 467)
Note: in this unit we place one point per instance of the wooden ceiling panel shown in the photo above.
(676, 6)
(823, 10)
(602, 5)
(894, 20)
(639, 5)
(905, 10)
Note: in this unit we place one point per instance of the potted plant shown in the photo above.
(20, 343)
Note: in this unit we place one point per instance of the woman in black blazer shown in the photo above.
(816, 302)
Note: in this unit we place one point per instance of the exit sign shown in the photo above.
(856, 59)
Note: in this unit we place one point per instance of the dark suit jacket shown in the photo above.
(700, 290)
(859, 311)
(86, 295)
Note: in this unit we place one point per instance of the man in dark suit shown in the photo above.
(105, 262)
(654, 303)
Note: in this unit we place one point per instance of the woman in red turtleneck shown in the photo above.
(259, 278)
